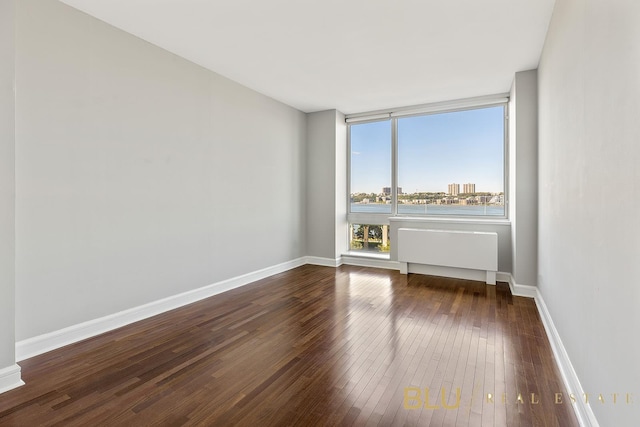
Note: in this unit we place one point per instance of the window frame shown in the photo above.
(423, 110)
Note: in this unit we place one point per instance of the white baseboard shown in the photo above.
(518, 290)
(325, 262)
(452, 272)
(503, 277)
(10, 378)
(583, 410)
(56, 339)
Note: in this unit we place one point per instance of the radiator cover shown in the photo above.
(449, 248)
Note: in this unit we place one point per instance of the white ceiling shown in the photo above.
(353, 55)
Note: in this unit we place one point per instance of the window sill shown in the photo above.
(373, 255)
(450, 220)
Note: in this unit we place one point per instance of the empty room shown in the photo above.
(321, 213)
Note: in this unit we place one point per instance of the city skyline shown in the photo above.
(469, 188)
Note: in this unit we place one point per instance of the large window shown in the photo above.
(452, 163)
(441, 163)
(371, 167)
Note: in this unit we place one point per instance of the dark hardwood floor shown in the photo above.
(312, 346)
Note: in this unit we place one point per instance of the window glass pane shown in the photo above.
(369, 238)
(452, 163)
(371, 167)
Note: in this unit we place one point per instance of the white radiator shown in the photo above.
(461, 249)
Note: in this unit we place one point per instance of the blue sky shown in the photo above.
(433, 151)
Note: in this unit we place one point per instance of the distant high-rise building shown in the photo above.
(468, 188)
(454, 189)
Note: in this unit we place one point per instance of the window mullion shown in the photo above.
(394, 167)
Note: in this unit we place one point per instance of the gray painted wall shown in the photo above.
(589, 204)
(140, 175)
(321, 181)
(523, 177)
(7, 184)
(326, 184)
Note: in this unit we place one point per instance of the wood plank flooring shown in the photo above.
(311, 346)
